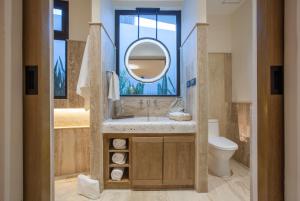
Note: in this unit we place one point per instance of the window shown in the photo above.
(61, 35)
(163, 26)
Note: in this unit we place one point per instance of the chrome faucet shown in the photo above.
(121, 106)
(148, 107)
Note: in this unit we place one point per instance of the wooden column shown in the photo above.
(270, 35)
(36, 139)
(96, 104)
(201, 140)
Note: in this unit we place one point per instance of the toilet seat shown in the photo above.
(222, 143)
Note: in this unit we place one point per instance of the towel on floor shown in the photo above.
(119, 158)
(119, 143)
(88, 187)
(117, 174)
(83, 85)
(114, 88)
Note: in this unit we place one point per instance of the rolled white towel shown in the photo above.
(119, 143)
(119, 158)
(117, 174)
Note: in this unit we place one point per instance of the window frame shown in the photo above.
(64, 36)
(149, 11)
(64, 6)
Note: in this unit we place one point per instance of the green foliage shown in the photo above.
(163, 88)
(124, 84)
(127, 88)
(59, 78)
(139, 88)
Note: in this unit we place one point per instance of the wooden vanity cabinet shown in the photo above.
(163, 162)
(147, 161)
(179, 161)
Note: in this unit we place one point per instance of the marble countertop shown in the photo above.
(153, 125)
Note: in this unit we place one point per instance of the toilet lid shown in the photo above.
(222, 143)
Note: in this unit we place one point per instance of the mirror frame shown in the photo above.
(156, 42)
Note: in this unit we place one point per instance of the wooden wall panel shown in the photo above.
(270, 107)
(36, 139)
(72, 151)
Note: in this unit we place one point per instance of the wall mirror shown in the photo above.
(148, 51)
(147, 60)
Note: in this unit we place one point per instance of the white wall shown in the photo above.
(103, 12)
(107, 15)
(242, 54)
(219, 34)
(193, 11)
(79, 18)
(233, 33)
(11, 100)
(95, 10)
(292, 100)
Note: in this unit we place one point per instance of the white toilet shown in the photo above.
(220, 150)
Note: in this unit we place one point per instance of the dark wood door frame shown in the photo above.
(37, 127)
(270, 55)
(36, 105)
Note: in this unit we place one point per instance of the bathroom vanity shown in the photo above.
(161, 159)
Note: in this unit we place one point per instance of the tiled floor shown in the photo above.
(236, 188)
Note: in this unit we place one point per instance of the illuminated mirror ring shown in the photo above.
(147, 60)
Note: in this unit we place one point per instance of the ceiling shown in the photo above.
(163, 4)
(214, 7)
(223, 7)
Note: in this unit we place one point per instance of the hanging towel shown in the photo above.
(83, 85)
(244, 121)
(114, 91)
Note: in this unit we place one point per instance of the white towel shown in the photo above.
(114, 90)
(88, 187)
(117, 174)
(180, 116)
(83, 85)
(119, 158)
(119, 143)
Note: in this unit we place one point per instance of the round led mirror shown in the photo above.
(147, 60)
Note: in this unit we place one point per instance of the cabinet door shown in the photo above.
(147, 156)
(179, 161)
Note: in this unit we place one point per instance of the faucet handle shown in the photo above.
(141, 103)
(155, 103)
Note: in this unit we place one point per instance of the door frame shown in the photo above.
(32, 24)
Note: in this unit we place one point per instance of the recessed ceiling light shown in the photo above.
(231, 1)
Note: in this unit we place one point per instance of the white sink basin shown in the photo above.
(152, 125)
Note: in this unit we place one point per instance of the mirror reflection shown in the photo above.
(147, 60)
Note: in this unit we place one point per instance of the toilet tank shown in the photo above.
(213, 127)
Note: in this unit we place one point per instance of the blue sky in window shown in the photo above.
(59, 59)
(57, 19)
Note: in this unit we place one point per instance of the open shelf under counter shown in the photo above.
(109, 150)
